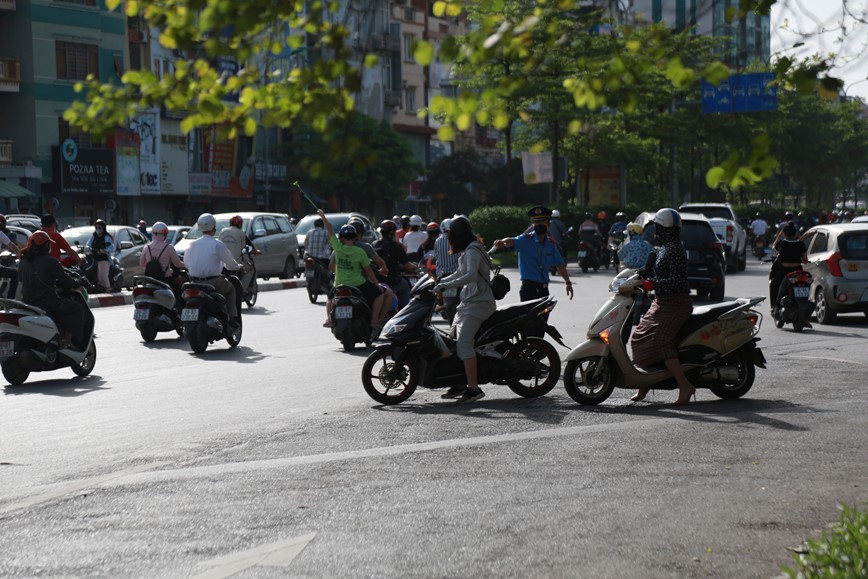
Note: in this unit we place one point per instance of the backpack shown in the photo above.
(153, 268)
(499, 283)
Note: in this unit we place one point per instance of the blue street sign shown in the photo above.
(741, 93)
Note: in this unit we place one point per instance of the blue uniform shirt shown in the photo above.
(536, 256)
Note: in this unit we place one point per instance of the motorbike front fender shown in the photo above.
(590, 348)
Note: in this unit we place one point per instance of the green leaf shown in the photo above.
(714, 177)
(423, 52)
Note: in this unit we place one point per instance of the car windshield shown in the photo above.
(711, 212)
(306, 223)
(194, 233)
(80, 235)
(854, 246)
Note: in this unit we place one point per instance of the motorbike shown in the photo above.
(350, 317)
(796, 306)
(614, 246)
(413, 356)
(155, 308)
(30, 340)
(318, 277)
(205, 317)
(88, 268)
(589, 257)
(717, 347)
(248, 278)
(7, 259)
(759, 247)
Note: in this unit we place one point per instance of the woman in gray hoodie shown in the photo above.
(477, 302)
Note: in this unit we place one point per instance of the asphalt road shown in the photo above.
(270, 461)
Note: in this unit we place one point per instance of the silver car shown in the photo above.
(271, 233)
(838, 261)
(128, 241)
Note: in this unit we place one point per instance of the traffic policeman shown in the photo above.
(537, 253)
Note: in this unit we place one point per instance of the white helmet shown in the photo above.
(556, 214)
(668, 218)
(416, 220)
(206, 222)
(445, 224)
(160, 228)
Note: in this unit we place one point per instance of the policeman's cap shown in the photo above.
(539, 213)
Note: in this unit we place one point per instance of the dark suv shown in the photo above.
(706, 258)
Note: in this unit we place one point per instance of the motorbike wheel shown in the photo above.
(14, 372)
(825, 314)
(251, 296)
(234, 338)
(779, 320)
(741, 361)
(384, 381)
(312, 295)
(197, 335)
(87, 363)
(348, 341)
(579, 385)
(548, 368)
(148, 334)
(584, 269)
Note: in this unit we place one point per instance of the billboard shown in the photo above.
(128, 182)
(86, 170)
(147, 126)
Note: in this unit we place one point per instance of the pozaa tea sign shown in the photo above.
(86, 170)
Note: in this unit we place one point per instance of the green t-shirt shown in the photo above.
(349, 263)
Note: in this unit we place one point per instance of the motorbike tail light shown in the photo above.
(801, 277)
(730, 232)
(834, 263)
(11, 319)
(754, 318)
(308, 262)
(191, 292)
(143, 291)
(343, 293)
(715, 246)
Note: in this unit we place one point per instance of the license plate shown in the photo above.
(141, 315)
(309, 273)
(852, 267)
(7, 348)
(802, 292)
(190, 315)
(343, 312)
(450, 292)
(583, 253)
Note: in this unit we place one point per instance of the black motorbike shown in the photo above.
(248, 277)
(205, 317)
(589, 256)
(350, 317)
(614, 247)
(414, 355)
(795, 307)
(88, 268)
(317, 276)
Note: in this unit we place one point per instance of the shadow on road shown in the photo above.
(748, 413)
(256, 311)
(542, 410)
(242, 354)
(73, 386)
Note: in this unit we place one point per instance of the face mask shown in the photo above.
(540, 229)
(99, 230)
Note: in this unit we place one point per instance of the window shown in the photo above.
(285, 225)
(75, 61)
(138, 238)
(387, 73)
(258, 227)
(821, 243)
(408, 47)
(411, 99)
(271, 227)
(121, 236)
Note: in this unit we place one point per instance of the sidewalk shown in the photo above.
(126, 298)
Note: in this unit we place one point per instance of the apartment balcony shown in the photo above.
(10, 74)
(7, 4)
(386, 43)
(392, 98)
(5, 153)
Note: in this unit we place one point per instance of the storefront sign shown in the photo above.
(86, 170)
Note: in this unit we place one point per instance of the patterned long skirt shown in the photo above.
(653, 339)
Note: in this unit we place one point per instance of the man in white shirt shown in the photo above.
(414, 238)
(205, 259)
(759, 226)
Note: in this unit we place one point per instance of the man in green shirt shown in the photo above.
(353, 268)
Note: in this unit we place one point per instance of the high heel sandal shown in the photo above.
(640, 394)
(683, 401)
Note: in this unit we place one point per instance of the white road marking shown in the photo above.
(824, 358)
(75, 486)
(279, 554)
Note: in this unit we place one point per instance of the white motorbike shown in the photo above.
(30, 341)
(717, 347)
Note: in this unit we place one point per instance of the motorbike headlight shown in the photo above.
(395, 328)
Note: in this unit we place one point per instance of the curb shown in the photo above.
(125, 299)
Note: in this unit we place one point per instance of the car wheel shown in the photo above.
(825, 314)
(288, 268)
(742, 259)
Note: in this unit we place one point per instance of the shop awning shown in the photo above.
(12, 191)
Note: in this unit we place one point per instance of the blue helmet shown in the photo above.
(667, 218)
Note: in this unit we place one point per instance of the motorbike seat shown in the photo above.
(702, 316)
(509, 312)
